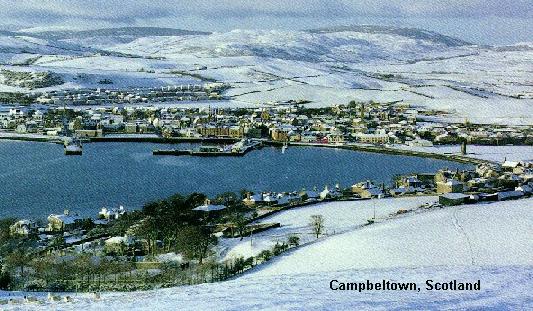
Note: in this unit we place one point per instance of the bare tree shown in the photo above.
(317, 224)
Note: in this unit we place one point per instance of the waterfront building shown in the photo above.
(411, 181)
(130, 128)
(308, 138)
(23, 227)
(372, 138)
(336, 138)
(287, 198)
(112, 214)
(269, 199)
(208, 207)
(309, 195)
(63, 222)
(450, 186)
(366, 189)
(402, 190)
(213, 131)
(251, 200)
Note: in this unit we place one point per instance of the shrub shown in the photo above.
(279, 248)
(238, 265)
(249, 262)
(294, 240)
(265, 255)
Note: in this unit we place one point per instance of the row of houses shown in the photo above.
(101, 96)
(370, 124)
(486, 182)
(65, 222)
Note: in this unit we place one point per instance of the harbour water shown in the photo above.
(37, 179)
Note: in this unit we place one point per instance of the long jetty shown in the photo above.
(231, 151)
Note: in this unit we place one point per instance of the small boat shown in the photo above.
(284, 147)
(73, 147)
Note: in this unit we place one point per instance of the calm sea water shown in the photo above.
(36, 179)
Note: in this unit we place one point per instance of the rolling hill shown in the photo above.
(485, 242)
(323, 66)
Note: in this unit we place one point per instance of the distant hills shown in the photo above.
(136, 32)
(139, 32)
(337, 44)
(413, 33)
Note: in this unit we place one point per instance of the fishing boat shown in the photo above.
(73, 147)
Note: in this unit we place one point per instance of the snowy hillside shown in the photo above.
(463, 236)
(405, 32)
(486, 242)
(331, 46)
(104, 38)
(339, 217)
(323, 66)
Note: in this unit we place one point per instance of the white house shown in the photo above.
(23, 227)
(111, 214)
(208, 207)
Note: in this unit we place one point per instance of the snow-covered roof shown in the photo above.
(310, 194)
(66, 219)
(510, 164)
(269, 198)
(374, 191)
(453, 182)
(524, 188)
(119, 239)
(454, 196)
(209, 208)
(509, 194)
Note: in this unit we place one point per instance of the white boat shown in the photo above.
(73, 147)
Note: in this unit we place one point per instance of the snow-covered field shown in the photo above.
(486, 242)
(326, 67)
(338, 217)
(503, 288)
(481, 235)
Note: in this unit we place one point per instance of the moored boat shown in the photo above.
(73, 147)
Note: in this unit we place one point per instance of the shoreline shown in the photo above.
(176, 140)
(392, 151)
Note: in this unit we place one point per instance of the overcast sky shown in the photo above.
(481, 21)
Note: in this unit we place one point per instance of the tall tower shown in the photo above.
(463, 147)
